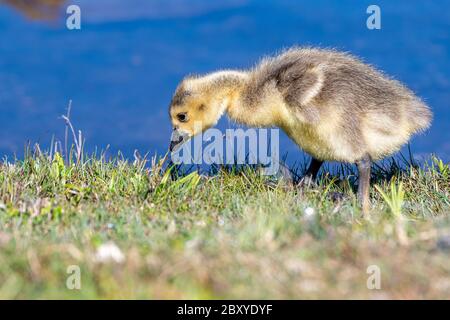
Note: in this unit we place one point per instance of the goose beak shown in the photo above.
(177, 139)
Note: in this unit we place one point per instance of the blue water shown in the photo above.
(121, 68)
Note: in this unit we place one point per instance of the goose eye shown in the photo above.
(182, 117)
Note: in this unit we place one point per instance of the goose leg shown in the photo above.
(364, 183)
(314, 168)
(311, 174)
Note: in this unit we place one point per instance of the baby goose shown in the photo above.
(332, 105)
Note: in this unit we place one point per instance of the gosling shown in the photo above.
(332, 105)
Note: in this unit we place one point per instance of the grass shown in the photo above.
(234, 234)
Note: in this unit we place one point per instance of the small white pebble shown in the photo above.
(221, 222)
(309, 212)
(109, 252)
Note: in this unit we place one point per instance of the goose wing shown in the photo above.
(299, 83)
